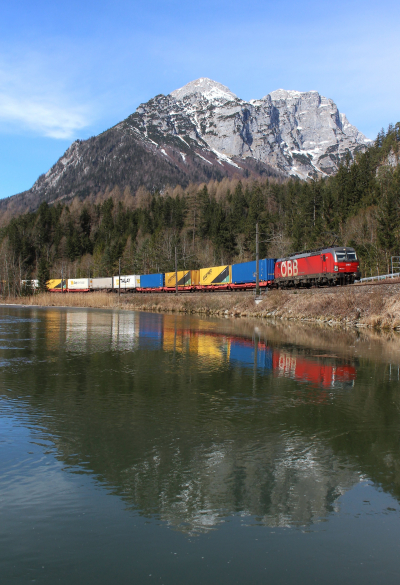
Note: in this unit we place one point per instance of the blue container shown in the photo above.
(246, 271)
(151, 280)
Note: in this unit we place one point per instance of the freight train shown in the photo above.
(323, 267)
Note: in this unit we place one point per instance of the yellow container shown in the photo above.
(184, 278)
(55, 284)
(216, 275)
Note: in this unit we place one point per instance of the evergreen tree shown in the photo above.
(43, 274)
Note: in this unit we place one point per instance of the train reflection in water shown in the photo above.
(320, 371)
(310, 371)
(126, 331)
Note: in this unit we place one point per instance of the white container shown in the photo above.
(78, 284)
(101, 283)
(129, 281)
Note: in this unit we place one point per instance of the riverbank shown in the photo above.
(375, 306)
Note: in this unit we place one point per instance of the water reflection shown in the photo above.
(124, 331)
(316, 373)
(194, 420)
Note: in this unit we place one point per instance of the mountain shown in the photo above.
(199, 132)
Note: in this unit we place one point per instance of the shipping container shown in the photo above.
(216, 275)
(101, 283)
(151, 280)
(184, 278)
(245, 272)
(55, 284)
(78, 284)
(128, 281)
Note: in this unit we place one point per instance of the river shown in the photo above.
(149, 448)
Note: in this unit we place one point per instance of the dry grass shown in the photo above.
(368, 306)
(97, 300)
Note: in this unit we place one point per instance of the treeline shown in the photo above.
(213, 223)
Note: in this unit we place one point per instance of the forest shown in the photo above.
(212, 224)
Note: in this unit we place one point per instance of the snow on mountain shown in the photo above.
(207, 88)
(298, 133)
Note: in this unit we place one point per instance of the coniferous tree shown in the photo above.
(43, 274)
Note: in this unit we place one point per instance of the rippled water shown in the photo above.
(146, 448)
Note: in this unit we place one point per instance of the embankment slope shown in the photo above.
(374, 305)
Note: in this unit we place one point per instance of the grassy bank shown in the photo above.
(376, 306)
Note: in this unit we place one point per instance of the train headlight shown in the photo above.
(336, 268)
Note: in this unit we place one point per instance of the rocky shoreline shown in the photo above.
(373, 306)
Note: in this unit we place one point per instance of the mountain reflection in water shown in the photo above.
(193, 420)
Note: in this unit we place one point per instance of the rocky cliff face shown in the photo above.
(301, 134)
(199, 132)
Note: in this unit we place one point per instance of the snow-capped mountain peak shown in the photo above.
(207, 88)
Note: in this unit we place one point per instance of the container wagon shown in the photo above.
(151, 282)
(101, 283)
(245, 272)
(130, 281)
(216, 276)
(184, 279)
(187, 279)
(56, 285)
(78, 284)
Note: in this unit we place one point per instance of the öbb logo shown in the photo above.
(289, 268)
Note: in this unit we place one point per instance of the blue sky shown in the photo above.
(72, 69)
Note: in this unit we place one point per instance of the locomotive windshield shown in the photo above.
(346, 256)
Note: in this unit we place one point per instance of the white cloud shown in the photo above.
(34, 96)
(44, 117)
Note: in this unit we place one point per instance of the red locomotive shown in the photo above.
(318, 267)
